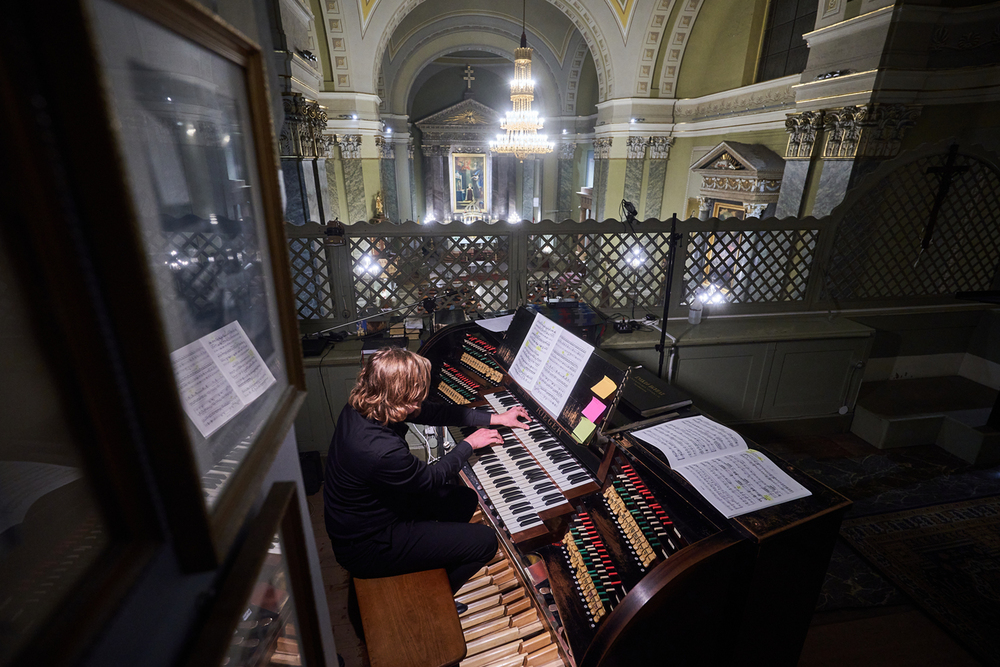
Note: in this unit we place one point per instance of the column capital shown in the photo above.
(635, 147)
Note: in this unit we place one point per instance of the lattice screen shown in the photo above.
(213, 272)
(311, 278)
(392, 271)
(876, 250)
(609, 271)
(748, 266)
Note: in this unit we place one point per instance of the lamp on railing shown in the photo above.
(522, 124)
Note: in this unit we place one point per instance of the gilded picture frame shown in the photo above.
(470, 184)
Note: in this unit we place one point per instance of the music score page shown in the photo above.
(715, 460)
(218, 375)
(549, 363)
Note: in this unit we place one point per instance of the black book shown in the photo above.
(649, 396)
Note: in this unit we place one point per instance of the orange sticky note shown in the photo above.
(604, 387)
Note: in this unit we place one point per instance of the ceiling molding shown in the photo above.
(560, 52)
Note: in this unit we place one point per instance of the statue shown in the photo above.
(379, 206)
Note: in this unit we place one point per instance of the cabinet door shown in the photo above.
(814, 378)
(726, 379)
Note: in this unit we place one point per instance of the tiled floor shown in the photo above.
(862, 619)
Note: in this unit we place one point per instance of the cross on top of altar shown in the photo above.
(468, 76)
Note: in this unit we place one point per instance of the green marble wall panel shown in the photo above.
(354, 184)
(793, 185)
(633, 181)
(564, 190)
(654, 189)
(528, 189)
(389, 193)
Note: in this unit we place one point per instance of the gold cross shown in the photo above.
(468, 76)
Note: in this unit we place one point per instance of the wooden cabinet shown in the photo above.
(759, 369)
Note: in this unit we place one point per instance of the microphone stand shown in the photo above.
(672, 243)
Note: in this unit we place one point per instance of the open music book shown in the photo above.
(549, 363)
(715, 460)
(218, 375)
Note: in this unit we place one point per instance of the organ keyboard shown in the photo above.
(625, 563)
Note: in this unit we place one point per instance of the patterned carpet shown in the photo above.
(947, 559)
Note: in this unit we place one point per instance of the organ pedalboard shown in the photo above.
(611, 547)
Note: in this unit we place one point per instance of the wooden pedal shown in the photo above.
(535, 644)
(486, 628)
(486, 657)
(493, 640)
(470, 620)
(543, 656)
(477, 594)
(482, 604)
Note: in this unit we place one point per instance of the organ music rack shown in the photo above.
(706, 591)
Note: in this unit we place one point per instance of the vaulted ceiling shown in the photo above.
(609, 48)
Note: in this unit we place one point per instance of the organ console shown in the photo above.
(622, 562)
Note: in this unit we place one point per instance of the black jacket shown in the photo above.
(371, 475)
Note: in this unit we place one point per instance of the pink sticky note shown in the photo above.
(594, 410)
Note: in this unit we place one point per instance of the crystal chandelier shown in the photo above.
(522, 124)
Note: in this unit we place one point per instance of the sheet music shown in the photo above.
(218, 375)
(739, 483)
(239, 361)
(206, 395)
(692, 439)
(496, 324)
(549, 363)
(559, 374)
(716, 461)
(534, 351)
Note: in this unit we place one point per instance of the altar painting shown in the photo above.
(469, 192)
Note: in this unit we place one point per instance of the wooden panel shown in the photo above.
(410, 620)
(727, 377)
(325, 398)
(812, 377)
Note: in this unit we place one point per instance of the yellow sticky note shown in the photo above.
(604, 387)
(584, 429)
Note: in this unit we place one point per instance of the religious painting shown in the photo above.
(469, 191)
(723, 211)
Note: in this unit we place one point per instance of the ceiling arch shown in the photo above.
(386, 23)
(405, 73)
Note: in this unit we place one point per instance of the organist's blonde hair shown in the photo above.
(392, 385)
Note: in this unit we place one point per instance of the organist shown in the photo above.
(388, 512)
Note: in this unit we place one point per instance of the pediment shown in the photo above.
(461, 116)
(738, 159)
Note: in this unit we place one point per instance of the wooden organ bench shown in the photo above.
(410, 620)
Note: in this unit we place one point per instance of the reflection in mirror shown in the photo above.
(185, 135)
(267, 632)
(51, 529)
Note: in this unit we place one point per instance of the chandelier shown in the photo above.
(522, 124)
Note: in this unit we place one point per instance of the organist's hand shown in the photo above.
(484, 437)
(512, 418)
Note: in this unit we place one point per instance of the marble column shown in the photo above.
(354, 181)
(659, 152)
(387, 177)
(436, 190)
(635, 158)
(564, 183)
(300, 145)
(602, 150)
(528, 188)
(857, 140)
(413, 180)
(332, 189)
(803, 130)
